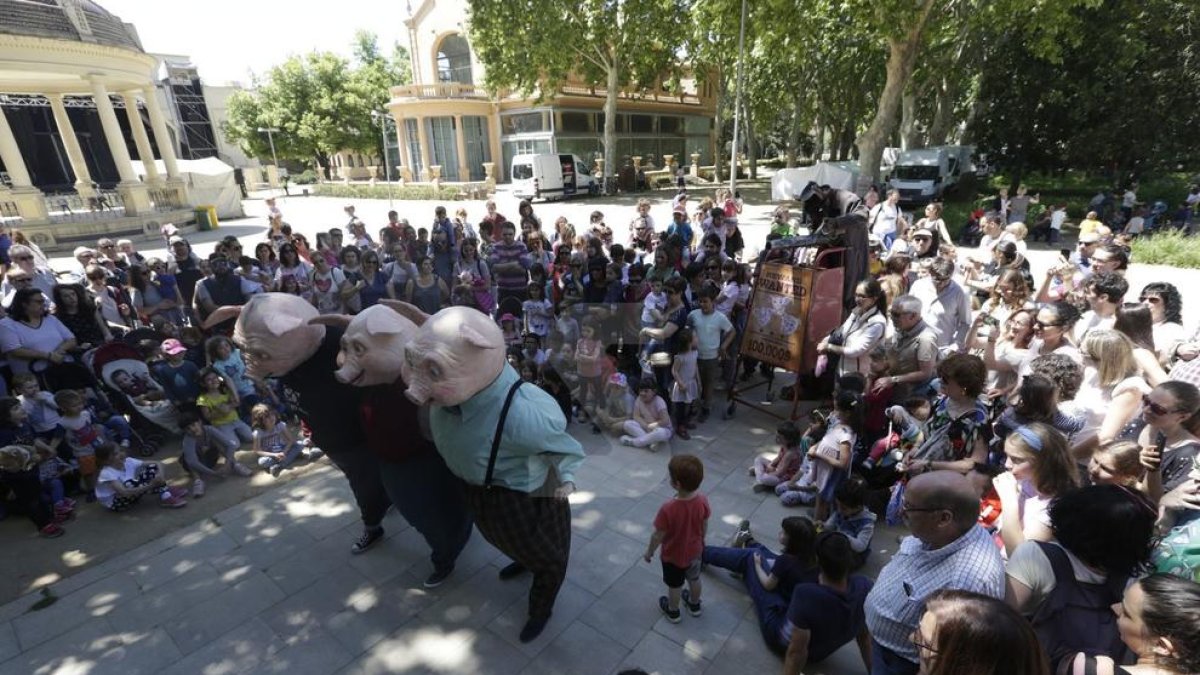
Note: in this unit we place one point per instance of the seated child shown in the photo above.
(19, 477)
(801, 490)
(227, 360)
(618, 406)
(123, 481)
(203, 447)
(273, 442)
(218, 404)
(769, 473)
(851, 517)
(81, 434)
(39, 405)
(177, 375)
(52, 470)
(907, 425)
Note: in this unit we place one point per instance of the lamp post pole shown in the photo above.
(271, 140)
(737, 106)
(382, 118)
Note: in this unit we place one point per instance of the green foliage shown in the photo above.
(356, 191)
(306, 177)
(319, 101)
(1168, 248)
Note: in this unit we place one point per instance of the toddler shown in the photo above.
(852, 518)
(178, 376)
(39, 406)
(589, 362)
(618, 405)
(273, 442)
(537, 310)
(770, 473)
(512, 335)
(218, 405)
(123, 481)
(81, 433)
(654, 304)
(52, 471)
(19, 479)
(907, 423)
(831, 456)
(680, 528)
(686, 375)
(203, 447)
(801, 490)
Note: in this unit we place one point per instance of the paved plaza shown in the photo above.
(270, 586)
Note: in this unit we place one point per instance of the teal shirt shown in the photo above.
(535, 436)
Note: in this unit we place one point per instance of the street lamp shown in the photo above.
(382, 118)
(737, 106)
(271, 140)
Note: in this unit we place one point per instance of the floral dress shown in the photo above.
(949, 438)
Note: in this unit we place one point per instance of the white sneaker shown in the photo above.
(198, 488)
(626, 440)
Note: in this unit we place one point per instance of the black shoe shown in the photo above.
(693, 608)
(438, 577)
(533, 628)
(665, 606)
(367, 540)
(512, 571)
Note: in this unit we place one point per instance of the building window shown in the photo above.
(475, 140)
(522, 123)
(577, 122)
(641, 124)
(454, 60)
(668, 124)
(412, 138)
(443, 147)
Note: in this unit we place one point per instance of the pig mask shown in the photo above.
(273, 332)
(372, 346)
(454, 355)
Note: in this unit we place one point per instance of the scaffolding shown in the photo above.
(197, 139)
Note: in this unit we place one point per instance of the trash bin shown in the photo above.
(206, 217)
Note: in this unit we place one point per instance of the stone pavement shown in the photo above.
(270, 586)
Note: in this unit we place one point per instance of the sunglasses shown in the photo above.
(1154, 300)
(1157, 408)
(1043, 324)
(23, 257)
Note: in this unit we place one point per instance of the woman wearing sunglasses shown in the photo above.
(1053, 327)
(1110, 396)
(1168, 440)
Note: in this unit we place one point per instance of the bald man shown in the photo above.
(947, 549)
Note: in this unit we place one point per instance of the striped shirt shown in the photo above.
(895, 605)
(509, 253)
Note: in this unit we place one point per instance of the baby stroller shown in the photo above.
(127, 382)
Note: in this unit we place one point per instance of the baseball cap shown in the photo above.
(172, 347)
(1089, 238)
(922, 232)
(507, 317)
(176, 239)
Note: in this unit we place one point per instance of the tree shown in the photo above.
(535, 46)
(319, 102)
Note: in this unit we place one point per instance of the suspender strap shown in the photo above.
(512, 391)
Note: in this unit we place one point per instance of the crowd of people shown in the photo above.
(1039, 437)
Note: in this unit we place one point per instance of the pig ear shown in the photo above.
(342, 320)
(220, 315)
(410, 312)
(282, 323)
(474, 337)
(385, 323)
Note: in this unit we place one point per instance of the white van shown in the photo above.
(551, 177)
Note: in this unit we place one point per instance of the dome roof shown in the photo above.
(74, 20)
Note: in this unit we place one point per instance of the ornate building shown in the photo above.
(78, 103)
(446, 119)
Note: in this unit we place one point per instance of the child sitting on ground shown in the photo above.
(54, 473)
(852, 518)
(770, 473)
(906, 424)
(218, 403)
(618, 405)
(19, 478)
(123, 481)
(801, 490)
(203, 447)
(680, 528)
(273, 442)
(82, 435)
(39, 405)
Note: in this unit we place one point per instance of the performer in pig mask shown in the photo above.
(507, 442)
(276, 340)
(415, 476)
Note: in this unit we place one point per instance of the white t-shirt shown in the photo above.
(45, 338)
(1057, 219)
(104, 491)
(1091, 321)
(829, 447)
(731, 292)
(709, 329)
(1030, 566)
(653, 301)
(883, 219)
(1128, 199)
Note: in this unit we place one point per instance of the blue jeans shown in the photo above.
(430, 498)
(119, 428)
(289, 457)
(770, 606)
(887, 662)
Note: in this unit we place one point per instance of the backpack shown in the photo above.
(1077, 616)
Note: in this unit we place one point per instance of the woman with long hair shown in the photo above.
(965, 633)
(264, 255)
(1136, 321)
(1111, 394)
(427, 291)
(895, 277)
(862, 331)
(73, 306)
(1103, 535)
(1171, 412)
(1039, 469)
(1158, 620)
(934, 223)
(1004, 350)
(1053, 330)
(374, 282)
(1166, 310)
(290, 265)
(35, 341)
(1009, 295)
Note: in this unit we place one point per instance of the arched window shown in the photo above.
(454, 60)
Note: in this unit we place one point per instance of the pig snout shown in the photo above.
(417, 392)
(348, 374)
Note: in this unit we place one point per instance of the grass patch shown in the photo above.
(414, 192)
(1168, 248)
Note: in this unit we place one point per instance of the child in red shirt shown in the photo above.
(680, 527)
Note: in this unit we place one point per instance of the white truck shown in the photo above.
(928, 174)
(551, 176)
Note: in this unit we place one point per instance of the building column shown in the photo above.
(162, 138)
(460, 139)
(403, 167)
(83, 177)
(140, 139)
(30, 201)
(134, 193)
(423, 139)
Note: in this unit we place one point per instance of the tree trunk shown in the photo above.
(793, 137)
(819, 142)
(969, 127)
(908, 118)
(719, 126)
(943, 116)
(902, 58)
(610, 126)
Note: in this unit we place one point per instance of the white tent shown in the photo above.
(210, 182)
(787, 183)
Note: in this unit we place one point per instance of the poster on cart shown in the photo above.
(775, 329)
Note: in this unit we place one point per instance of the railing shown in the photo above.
(9, 215)
(655, 96)
(440, 90)
(70, 207)
(165, 200)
